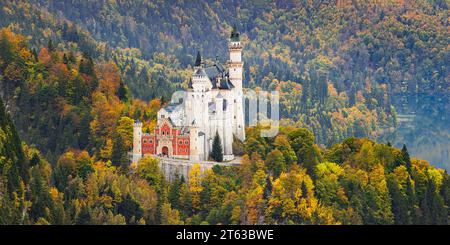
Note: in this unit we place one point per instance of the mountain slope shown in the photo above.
(345, 68)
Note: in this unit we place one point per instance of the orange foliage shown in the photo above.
(44, 57)
(109, 78)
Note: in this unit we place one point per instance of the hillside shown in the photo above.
(74, 75)
(345, 68)
(285, 181)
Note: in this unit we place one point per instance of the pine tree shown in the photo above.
(119, 153)
(217, 153)
(435, 202)
(122, 92)
(50, 45)
(406, 158)
(399, 208)
(411, 203)
(84, 217)
(174, 193)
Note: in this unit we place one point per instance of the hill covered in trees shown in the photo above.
(71, 94)
(345, 68)
(287, 180)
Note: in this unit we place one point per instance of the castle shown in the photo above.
(212, 104)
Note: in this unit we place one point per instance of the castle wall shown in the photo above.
(227, 119)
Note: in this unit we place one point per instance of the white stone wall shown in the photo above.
(196, 108)
(137, 146)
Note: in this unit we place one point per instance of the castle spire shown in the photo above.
(234, 34)
(198, 60)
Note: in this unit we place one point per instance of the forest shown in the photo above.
(75, 74)
(86, 108)
(345, 67)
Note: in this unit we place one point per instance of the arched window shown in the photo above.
(186, 142)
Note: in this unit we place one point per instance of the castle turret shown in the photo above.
(235, 71)
(196, 143)
(137, 144)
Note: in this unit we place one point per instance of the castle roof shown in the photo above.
(171, 108)
(234, 34)
(200, 72)
(198, 60)
(214, 72)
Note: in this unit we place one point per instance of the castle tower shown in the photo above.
(199, 97)
(196, 148)
(137, 145)
(235, 71)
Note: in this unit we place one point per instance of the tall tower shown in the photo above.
(137, 146)
(235, 72)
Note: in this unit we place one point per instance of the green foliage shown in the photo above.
(338, 76)
(148, 169)
(308, 154)
(276, 163)
(216, 152)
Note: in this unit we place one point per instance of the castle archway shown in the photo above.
(165, 151)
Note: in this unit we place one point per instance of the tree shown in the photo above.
(217, 151)
(275, 162)
(148, 169)
(124, 128)
(122, 92)
(130, 209)
(40, 196)
(84, 217)
(406, 158)
(377, 206)
(327, 186)
(170, 216)
(399, 204)
(119, 156)
(174, 193)
(308, 154)
(437, 211)
(292, 200)
(281, 143)
(195, 187)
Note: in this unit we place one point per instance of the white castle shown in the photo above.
(212, 104)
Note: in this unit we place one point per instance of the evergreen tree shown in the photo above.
(84, 217)
(50, 45)
(174, 193)
(406, 158)
(119, 153)
(399, 205)
(217, 153)
(411, 203)
(122, 92)
(130, 209)
(438, 213)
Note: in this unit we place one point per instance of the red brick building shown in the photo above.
(167, 140)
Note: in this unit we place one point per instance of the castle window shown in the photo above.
(186, 142)
(180, 142)
(150, 141)
(145, 141)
